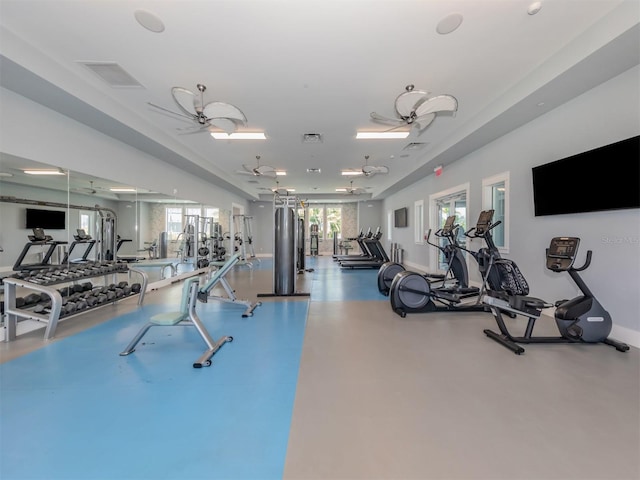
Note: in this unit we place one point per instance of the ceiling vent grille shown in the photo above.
(312, 138)
(113, 74)
(313, 170)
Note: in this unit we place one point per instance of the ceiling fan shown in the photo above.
(259, 170)
(367, 170)
(414, 108)
(223, 116)
(351, 190)
(86, 190)
(371, 170)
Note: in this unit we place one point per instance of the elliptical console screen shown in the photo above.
(448, 224)
(484, 220)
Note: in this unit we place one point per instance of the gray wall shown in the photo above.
(63, 142)
(603, 115)
(369, 215)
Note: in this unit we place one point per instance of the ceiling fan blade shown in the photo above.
(244, 172)
(266, 171)
(250, 170)
(224, 110)
(194, 129)
(370, 170)
(166, 110)
(185, 99)
(382, 119)
(223, 124)
(424, 121)
(406, 102)
(439, 103)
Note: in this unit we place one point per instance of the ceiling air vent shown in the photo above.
(312, 138)
(313, 170)
(252, 181)
(113, 74)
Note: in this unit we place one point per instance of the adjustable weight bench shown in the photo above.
(186, 316)
(204, 294)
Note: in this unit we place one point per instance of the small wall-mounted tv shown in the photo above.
(45, 219)
(605, 178)
(400, 217)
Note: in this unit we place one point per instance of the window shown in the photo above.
(334, 222)
(86, 222)
(213, 213)
(418, 221)
(443, 204)
(316, 217)
(495, 195)
(174, 222)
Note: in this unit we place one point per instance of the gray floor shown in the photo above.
(431, 397)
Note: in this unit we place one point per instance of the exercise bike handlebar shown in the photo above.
(587, 262)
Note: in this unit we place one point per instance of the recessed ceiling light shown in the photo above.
(149, 21)
(44, 171)
(352, 173)
(449, 23)
(239, 136)
(281, 173)
(381, 135)
(122, 189)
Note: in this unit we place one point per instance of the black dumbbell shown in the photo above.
(31, 299)
(135, 287)
(92, 301)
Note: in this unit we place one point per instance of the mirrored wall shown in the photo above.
(33, 192)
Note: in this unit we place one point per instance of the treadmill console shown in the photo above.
(562, 253)
(39, 236)
(81, 235)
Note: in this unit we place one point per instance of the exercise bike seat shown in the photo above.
(574, 308)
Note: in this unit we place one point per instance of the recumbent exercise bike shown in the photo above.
(579, 320)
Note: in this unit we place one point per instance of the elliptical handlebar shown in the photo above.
(472, 232)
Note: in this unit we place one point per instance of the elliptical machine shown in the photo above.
(579, 320)
(456, 266)
(411, 292)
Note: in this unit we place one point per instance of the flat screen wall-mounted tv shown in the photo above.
(45, 219)
(605, 178)
(400, 217)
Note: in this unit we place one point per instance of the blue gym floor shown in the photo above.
(75, 409)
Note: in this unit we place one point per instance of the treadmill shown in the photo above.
(364, 253)
(379, 256)
(81, 238)
(38, 239)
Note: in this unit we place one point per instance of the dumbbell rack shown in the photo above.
(13, 313)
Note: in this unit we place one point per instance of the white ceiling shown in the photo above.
(299, 66)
